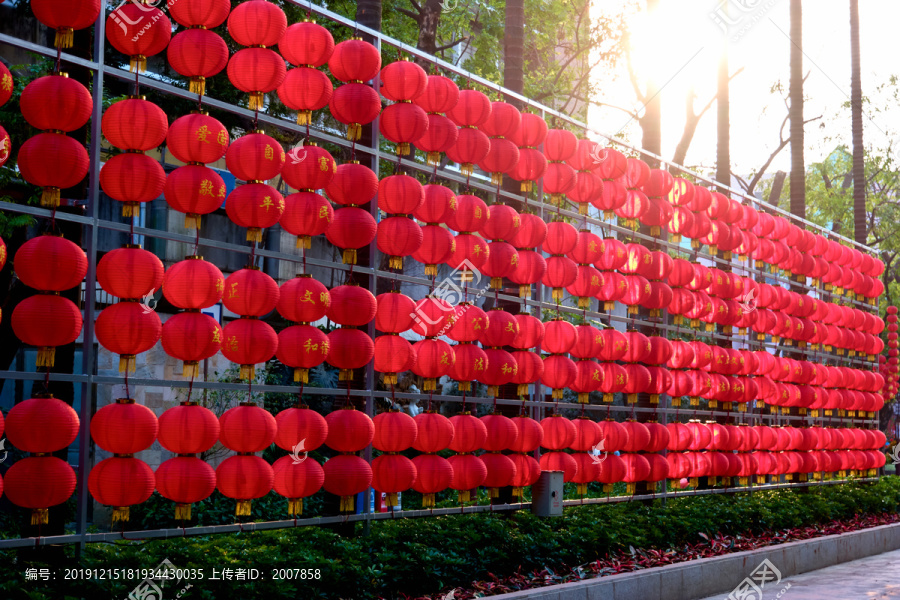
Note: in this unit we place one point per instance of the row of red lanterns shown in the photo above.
(124, 428)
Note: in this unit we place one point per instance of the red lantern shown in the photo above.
(42, 424)
(185, 480)
(56, 103)
(307, 43)
(248, 341)
(500, 472)
(66, 17)
(188, 429)
(197, 138)
(469, 472)
(46, 321)
(127, 329)
(402, 124)
(355, 104)
(398, 237)
(302, 347)
(300, 424)
(193, 283)
(250, 293)
(256, 71)
(394, 432)
(191, 336)
(194, 190)
(38, 482)
(255, 157)
(138, 40)
(296, 480)
(6, 85)
(197, 54)
(435, 432)
(352, 305)
(306, 215)
(255, 206)
(208, 13)
(54, 162)
(50, 263)
(304, 90)
(121, 482)
(244, 477)
(560, 461)
(440, 136)
(391, 474)
(559, 432)
(313, 170)
(433, 474)
(470, 149)
(124, 427)
(351, 229)
(133, 179)
(349, 349)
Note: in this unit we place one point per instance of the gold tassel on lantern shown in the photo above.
(403, 149)
(493, 390)
(463, 496)
(493, 492)
(396, 262)
(304, 241)
(525, 186)
(711, 480)
(522, 390)
(65, 37)
(583, 398)
(349, 256)
(127, 362)
(676, 238)
(632, 310)
(243, 508)
(609, 305)
(695, 323)
(692, 482)
(695, 401)
(182, 512)
(295, 506)
(192, 221)
(431, 270)
(632, 398)
(654, 231)
(557, 294)
(301, 375)
(557, 394)
(466, 169)
(743, 481)
(713, 403)
(121, 513)
(496, 283)
(254, 234)
(581, 488)
(50, 197)
(608, 398)
(248, 371)
(354, 131)
(582, 208)
(465, 386)
(390, 378)
(190, 369)
(524, 290)
(497, 178)
(760, 479)
(695, 244)
(198, 85)
(654, 398)
(40, 516)
(347, 504)
(345, 375)
(518, 492)
(138, 63)
(433, 158)
(607, 487)
(304, 117)
(429, 385)
(131, 209)
(654, 312)
(630, 488)
(584, 302)
(428, 501)
(676, 402)
(392, 499)
(709, 327)
(46, 356)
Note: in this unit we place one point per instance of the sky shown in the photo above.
(681, 48)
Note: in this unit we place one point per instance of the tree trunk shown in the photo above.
(856, 124)
(429, 19)
(723, 124)
(368, 13)
(514, 49)
(798, 167)
(651, 122)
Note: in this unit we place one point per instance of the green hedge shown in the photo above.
(426, 555)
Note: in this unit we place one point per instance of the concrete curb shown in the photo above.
(721, 574)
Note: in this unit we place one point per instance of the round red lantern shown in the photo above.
(188, 429)
(124, 427)
(244, 478)
(66, 17)
(127, 329)
(197, 54)
(54, 162)
(185, 480)
(193, 283)
(121, 482)
(194, 190)
(191, 336)
(138, 39)
(41, 425)
(255, 206)
(250, 293)
(39, 482)
(248, 341)
(351, 229)
(433, 474)
(56, 103)
(302, 347)
(46, 321)
(300, 424)
(133, 179)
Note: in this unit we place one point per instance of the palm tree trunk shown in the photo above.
(368, 13)
(856, 123)
(798, 167)
(514, 49)
(723, 122)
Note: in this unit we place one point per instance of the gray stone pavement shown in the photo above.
(873, 578)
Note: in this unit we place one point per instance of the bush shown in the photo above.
(423, 556)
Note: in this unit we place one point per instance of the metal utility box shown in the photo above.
(547, 494)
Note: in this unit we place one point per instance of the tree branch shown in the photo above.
(451, 44)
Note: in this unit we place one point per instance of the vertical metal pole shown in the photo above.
(373, 287)
(90, 295)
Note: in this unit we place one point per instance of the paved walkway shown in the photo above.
(873, 578)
